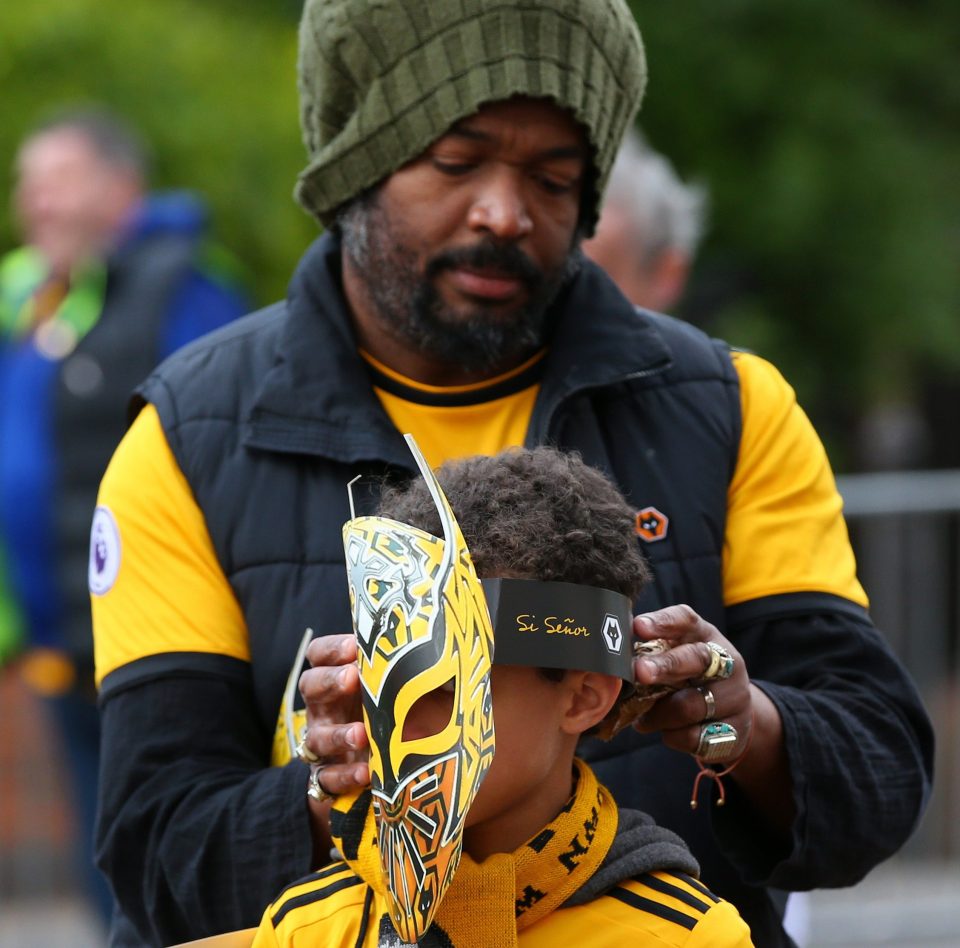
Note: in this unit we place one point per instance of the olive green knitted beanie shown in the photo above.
(381, 80)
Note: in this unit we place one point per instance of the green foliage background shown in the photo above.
(828, 135)
(826, 132)
(211, 85)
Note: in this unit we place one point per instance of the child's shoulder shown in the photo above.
(661, 908)
(672, 897)
(333, 896)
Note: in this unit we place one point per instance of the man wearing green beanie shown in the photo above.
(457, 155)
(380, 82)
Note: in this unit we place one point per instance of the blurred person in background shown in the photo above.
(649, 227)
(109, 280)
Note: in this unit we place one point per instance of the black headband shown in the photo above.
(560, 625)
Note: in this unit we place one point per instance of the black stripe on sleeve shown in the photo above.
(318, 895)
(174, 665)
(783, 605)
(673, 891)
(653, 908)
(697, 884)
(318, 876)
(365, 924)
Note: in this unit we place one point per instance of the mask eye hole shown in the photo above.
(431, 712)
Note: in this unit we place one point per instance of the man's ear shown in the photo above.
(590, 696)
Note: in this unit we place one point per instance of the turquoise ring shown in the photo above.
(717, 741)
(721, 663)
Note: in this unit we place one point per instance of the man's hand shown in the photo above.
(763, 772)
(335, 732)
(680, 715)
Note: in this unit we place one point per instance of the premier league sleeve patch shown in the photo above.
(104, 552)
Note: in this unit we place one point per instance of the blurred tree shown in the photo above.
(212, 87)
(827, 135)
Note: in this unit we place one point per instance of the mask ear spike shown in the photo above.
(447, 519)
(353, 512)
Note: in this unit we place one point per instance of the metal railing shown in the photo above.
(905, 529)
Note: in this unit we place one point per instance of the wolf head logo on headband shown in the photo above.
(422, 623)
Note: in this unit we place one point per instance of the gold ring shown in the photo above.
(304, 752)
(721, 663)
(315, 789)
(709, 701)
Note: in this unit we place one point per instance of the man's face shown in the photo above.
(69, 201)
(460, 252)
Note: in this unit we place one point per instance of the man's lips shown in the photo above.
(488, 284)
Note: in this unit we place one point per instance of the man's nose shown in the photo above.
(500, 206)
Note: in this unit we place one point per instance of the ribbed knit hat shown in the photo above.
(381, 80)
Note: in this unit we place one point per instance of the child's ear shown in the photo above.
(590, 696)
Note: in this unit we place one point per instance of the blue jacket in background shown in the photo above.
(64, 387)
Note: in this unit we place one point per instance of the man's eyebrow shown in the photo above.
(561, 152)
(465, 131)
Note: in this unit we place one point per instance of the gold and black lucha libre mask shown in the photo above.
(422, 623)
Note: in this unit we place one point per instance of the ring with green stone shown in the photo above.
(717, 740)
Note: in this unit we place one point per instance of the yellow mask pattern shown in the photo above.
(422, 623)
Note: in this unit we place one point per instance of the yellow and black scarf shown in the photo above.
(508, 891)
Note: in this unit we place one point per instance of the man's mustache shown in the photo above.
(507, 260)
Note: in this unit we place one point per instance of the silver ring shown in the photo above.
(304, 752)
(315, 789)
(720, 665)
(717, 740)
(709, 701)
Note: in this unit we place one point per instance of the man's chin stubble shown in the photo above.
(410, 309)
(479, 338)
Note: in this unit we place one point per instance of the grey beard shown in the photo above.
(408, 306)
